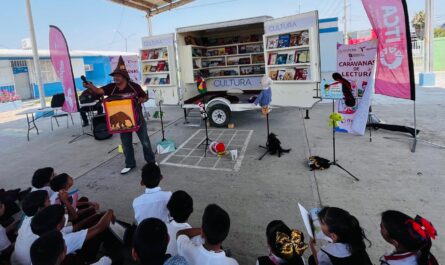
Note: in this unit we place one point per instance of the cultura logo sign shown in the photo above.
(391, 57)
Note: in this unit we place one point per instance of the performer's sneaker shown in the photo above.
(125, 170)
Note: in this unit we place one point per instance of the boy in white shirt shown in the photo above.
(50, 249)
(5, 244)
(214, 230)
(53, 218)
(180, 207)
(153, 203)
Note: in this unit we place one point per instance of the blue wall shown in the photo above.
(55, 88)
(7, 88)
(101, 69)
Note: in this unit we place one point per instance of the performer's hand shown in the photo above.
(88, 85)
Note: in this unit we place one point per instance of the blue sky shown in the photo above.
(92, 24)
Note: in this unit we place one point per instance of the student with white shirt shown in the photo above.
(41, 179)
(153, 203)
(348, 240)
(214, 230)
(410, 237)
(279, 253)
(6, 245)
(150, 244)
(53, 218)
(50, 249)
(180, 207)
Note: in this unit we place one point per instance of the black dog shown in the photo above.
(274, 145)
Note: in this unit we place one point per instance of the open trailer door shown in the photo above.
(292, 56)
(158, 66)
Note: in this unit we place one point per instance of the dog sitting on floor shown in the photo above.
(274, 145)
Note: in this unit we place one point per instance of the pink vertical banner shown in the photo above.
(395, 72)
(61, 60)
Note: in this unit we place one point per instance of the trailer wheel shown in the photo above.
(219, 115)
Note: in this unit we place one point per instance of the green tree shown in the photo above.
(418, 24)
(439, 32)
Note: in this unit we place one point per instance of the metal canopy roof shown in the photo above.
(153, 7)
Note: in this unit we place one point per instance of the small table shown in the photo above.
(30, 118)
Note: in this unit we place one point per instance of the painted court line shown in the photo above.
(215, 134)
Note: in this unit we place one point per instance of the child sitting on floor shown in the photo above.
(6, 246)
(150, 244)
(50, 249)
(348, 247)
(153, 203)
(42, 178)
(64, 193)
(410, 237)
(285, 245)
(180, 207)
(214, 230)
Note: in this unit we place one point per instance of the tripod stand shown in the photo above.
(267, 142)
(334, 162)
(84, 133)
(206, 140)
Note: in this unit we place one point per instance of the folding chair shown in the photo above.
(56, 104)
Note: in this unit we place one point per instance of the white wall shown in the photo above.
(6, 76)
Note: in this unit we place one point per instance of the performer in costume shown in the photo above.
(122, 86)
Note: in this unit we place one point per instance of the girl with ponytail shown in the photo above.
(410, 237)
(348, 240)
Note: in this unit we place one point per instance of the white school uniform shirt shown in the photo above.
(197, 255)
(26, 237)
(408, 258)
(173, 227)
(46, 188)
(4, 240)
(338, 250)
(103, 261)
(54, 198)
(153, 203)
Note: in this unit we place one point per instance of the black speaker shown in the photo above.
(100, 130)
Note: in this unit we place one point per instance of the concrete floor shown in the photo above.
(391, 177)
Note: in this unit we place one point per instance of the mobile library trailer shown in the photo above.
(232, 57)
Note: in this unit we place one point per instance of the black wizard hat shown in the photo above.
(121, 69)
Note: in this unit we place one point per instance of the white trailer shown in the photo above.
(232, 57)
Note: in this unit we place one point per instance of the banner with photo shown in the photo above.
(61, 61)
(131, 63)
(395, 71)
(355, 63)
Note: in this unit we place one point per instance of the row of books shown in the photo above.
(157, 80)
(161, 66)
(252, 70)
(289, 58)
(154, 54)
(190, 40)
(288, 40)
(242, 49)
(289, 74)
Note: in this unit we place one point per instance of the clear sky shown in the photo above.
(93, 24)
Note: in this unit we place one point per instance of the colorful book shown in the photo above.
(304, 38)
(272, 58)
(281, 59)
(273, 74)
(283, 41)
(290, 58)
(301, 74)
(280, 75)
(289, 74)
(257, 58)
(144, 55)
(294, 39)
(272, 43)
(160, 66)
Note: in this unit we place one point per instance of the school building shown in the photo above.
(17, 73)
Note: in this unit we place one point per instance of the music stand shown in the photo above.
(204, 117)
(267, 141)
(334, 162)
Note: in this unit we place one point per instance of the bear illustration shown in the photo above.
(119, 119)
